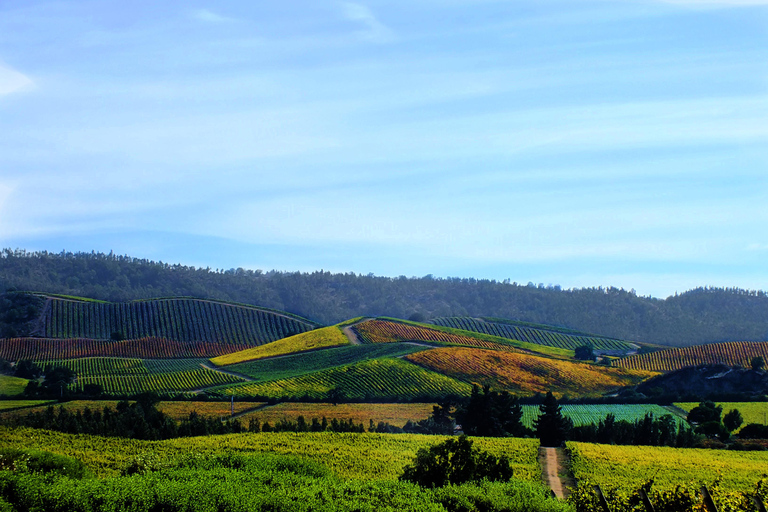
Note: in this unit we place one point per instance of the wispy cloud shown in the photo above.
(12, 81)
(209, 16)
(374, 30)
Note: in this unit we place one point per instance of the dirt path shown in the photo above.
(240, 375)
(554, 471)
(353, 338)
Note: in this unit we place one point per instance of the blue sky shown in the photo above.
(575, 143)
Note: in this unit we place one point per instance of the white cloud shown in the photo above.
(210, 16)
(374, 29)
(12, 81)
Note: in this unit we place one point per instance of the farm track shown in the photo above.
(554, 471)
(226, 372)
(351, 335)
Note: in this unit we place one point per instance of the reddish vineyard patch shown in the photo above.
(385, 331)
(734, 353)
(40, 349)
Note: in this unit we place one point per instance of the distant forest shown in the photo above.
(698, 316)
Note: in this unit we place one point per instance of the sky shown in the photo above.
(566, 142)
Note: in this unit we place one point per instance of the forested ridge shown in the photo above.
(697, 316)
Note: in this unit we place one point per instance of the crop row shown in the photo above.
(384, 379)
(95, 366)
(733, 353)
(178, 319)
(532, 335)
(385, 331)
(43, 349)
(525, 374)
(592, 414)
(159, 382)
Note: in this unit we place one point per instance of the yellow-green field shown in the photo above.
(751, 412)
(10, 386)
(628, 467)
(8, 405)
(394, 414)
(357, 456)
(319, 338)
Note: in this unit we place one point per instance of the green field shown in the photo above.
(10, 405)
(300, 364)
(376, 379)
(10, 386)
(586, 414)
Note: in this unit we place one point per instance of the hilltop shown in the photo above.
(697, 316)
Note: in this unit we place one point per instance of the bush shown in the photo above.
(23, 461)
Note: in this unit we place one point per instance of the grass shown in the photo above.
(628, 467)
(525, 374)
(10, 386)
(319, 338)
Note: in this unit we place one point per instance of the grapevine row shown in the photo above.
(532, 335)
(43, 349)
(179, 319)
(384, 331)
(159, 382)
(733, 353)
(376, 379)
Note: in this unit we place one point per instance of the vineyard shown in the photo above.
(540, 335)
(300, 364)
(525, 374)
(186, 320)
(734, 353)
(375, 380)
(130, 376)
(394, 414)
(593, 414)
(387, 331)
(324, 337)
(668, 467)
(43, 349)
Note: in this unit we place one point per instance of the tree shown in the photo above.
(705, 412)
(584, 352)
(27, 370)
(733, 420)
(492, 414)
(455, 461)
(757, 363)
(551, 426)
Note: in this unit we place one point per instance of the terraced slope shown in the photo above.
(538, 334)
(385, 380)
(179, 319)
(734, 353)
(526, 374)
(324, 337)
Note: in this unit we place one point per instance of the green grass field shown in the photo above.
(10, 386)
(11, 405)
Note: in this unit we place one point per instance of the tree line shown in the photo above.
(698, 316)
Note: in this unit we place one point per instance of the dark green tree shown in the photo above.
(492, 414)
(757, 363)
(705, 412)
(733, 420)
(584, 352)
(455, 461)
(552, 428)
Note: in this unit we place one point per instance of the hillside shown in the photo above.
(730, 354)
(698, 316)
